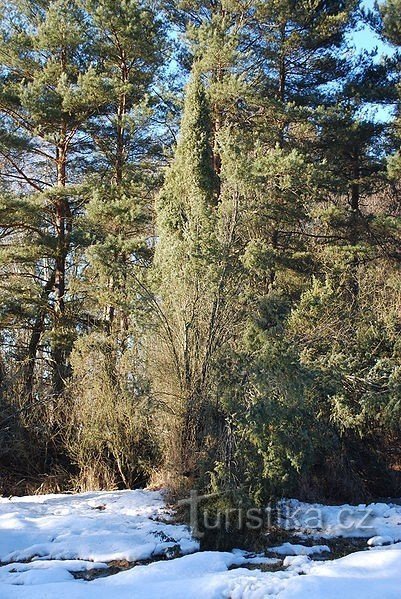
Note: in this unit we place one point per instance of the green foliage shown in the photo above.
(354, 351)
(271, 399)
(188, 274)
(391, 20)
(390, 12)
(74, 98)
(187, 203)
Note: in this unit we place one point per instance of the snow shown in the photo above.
(380, 541)
(89, 526)
(330, 521)
(39, 572)
(206, 575)
(371, 575)
(47, 540)
(291, 549)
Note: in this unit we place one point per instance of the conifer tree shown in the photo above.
(193, 271)
(118, 230)
(391, 29)
(264, 138)
(48, 90)
(129, 41)
(230, 322)
(299, 57)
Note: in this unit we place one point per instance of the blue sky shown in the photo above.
(365, 39)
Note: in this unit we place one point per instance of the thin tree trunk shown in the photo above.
(354, 235)
(282, 84)
(62, 215)
(34, 341)
(122, 109)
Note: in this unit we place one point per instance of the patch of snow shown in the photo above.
(202, 575)
(300, 564)
(97, 526)
(396, 546)
(290, 549)
(365, 574)
(330, 521)
(380, 541)
(45, 571)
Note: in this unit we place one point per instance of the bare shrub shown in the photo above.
(108, 433)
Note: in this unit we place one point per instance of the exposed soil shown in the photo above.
(116, 566)
(339, 546)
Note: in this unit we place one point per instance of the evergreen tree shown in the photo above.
(77, 171)
(48, 90)
(391, 30)
(186, 228)
(124, 170)
(129, 43)
(118, 230)
(195, 227)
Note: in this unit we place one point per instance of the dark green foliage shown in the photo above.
(221, 312)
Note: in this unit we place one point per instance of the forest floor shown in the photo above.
(126, 544)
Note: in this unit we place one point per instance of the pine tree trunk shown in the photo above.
(282, 84)
(353, 237)
(37, 332)
(63, 229)
(122, 110)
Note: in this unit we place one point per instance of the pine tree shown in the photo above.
(48, 90)
(78, 171)
(391, 30)
(299, 58)
(117, 230)
(129, 41)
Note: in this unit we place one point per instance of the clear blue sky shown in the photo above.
(366, 39)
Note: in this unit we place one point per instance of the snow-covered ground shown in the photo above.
(48, 542)
(89, 526)
(381, 520)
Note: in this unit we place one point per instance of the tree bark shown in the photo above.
(37, 332)
(354, 235)
(60, 348)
